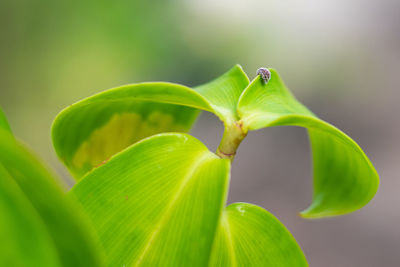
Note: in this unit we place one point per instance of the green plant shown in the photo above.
(158, 199)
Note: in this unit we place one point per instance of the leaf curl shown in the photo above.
(344, 178)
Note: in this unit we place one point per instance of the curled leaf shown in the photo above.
(86, 134)
(344, 178)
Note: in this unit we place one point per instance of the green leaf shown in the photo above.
(24, 238)
(224, 92)
(3, 122)
(250, 236)
(88, 133)
(344, 178)
(158, 202)
(70, 232)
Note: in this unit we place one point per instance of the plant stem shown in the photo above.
(234, 134)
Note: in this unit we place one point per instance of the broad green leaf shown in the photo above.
(250, 236)
(344, 178)
(88, 133)
(24, 238)
(3, 122)
(158, 202)
(70, 233)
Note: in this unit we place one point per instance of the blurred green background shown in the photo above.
(340, 58)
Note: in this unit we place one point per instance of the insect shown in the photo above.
(264, 73)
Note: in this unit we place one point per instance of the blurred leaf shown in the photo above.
(157, 203)
(250, 236)
(69, 231)
(24, 238)
(3, 122)
(344, 178)
(88, 133)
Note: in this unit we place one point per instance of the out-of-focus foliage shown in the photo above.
(3, 122)
(38, 225)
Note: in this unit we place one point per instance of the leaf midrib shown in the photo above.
(199, 160)
(227, 228)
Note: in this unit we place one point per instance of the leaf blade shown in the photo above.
(160, 208)
(250, 236)
(86, 134)
(224, 92)
(344, 178)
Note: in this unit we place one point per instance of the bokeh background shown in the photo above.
(341, 58)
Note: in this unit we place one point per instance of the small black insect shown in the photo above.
(264, 73)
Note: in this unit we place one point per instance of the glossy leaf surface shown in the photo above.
(160, 202)
(88, 133)
(224, 92)
(34, 196)
(157, 203)
(344, 178)
(250, 236)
